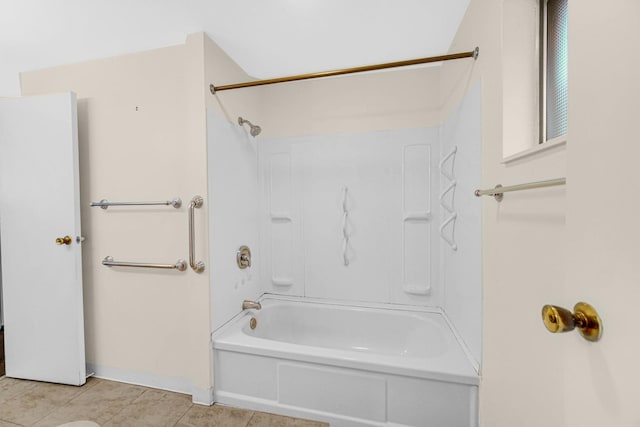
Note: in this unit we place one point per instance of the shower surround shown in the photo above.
(356, 223)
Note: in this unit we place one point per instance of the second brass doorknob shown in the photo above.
(66, 240)
(584, 317)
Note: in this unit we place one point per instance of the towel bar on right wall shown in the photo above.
(498, 191)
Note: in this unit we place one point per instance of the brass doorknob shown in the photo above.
(584, 317)
(66, 240)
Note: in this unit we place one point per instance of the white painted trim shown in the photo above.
(552, 143)
(200, 396)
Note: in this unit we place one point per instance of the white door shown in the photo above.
(40, 202)
(602, 379)
(531, 377)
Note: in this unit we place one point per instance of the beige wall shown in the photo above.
(142, 136)
(220, 70)
(523, 242)
(406, 98)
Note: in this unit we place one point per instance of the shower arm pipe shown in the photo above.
(472, 54)
(198, 267)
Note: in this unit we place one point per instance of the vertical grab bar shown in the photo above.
(198, 267)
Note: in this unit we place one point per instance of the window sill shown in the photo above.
(552, 143)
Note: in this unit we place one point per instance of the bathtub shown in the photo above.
(349, 366)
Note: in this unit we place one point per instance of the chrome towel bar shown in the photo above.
(104, 204)
(180, 265)
(498, 191)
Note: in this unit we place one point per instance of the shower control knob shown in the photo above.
(243, 257)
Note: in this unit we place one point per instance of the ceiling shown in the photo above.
(267, 38)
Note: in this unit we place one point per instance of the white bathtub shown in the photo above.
(350, 366)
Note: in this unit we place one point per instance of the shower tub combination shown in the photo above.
(346, 365)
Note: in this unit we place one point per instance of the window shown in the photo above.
(534, 76)
(554, 69)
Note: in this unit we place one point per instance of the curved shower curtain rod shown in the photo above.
(472, 54)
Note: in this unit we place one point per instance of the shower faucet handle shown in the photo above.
(243, 257)
(245, 260)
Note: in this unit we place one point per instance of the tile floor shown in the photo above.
(112, 404)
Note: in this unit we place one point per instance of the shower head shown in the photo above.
(253, 129)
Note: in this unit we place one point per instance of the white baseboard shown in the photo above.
(200, 396)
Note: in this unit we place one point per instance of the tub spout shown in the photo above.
(247, 304)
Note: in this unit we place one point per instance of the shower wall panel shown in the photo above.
(348, 198)
(282, 257)
(348, 216)
(281, 228)
(416, 217)
(462, 268)
(233, 198)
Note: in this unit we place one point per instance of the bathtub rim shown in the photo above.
(342, 357)
(361, 304)
(336, 302)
